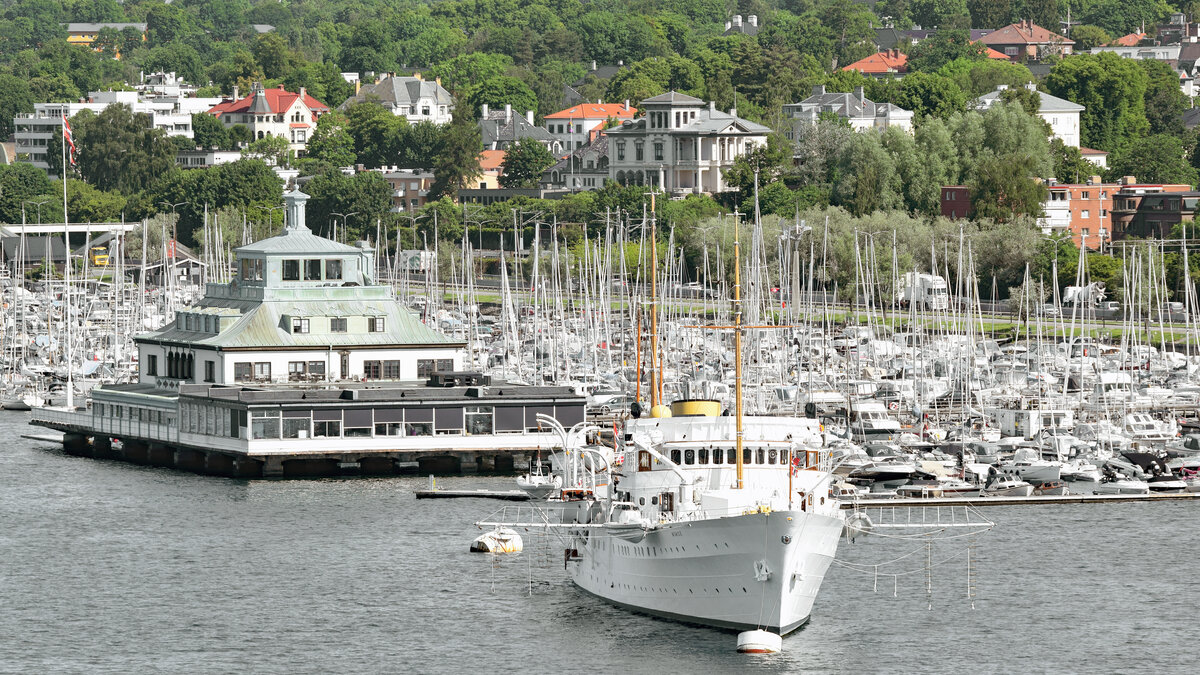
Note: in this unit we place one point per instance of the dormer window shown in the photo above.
(312, 270)
(337, 325)
(291, 270)
(299, 325)
(333, 269)
(375, 324)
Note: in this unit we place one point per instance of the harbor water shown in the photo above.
(111, 567)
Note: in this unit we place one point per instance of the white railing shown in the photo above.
(115, 426)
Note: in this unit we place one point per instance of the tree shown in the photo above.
(867, 178)
(331, 142)
(496, 92)
(943, 47)
(15, 98)
(117, 149)
(208, 132)
(1164, 101)
(1111, 89)
(1119, 17)
(1069, 165)
(468, 70)
(1154, 159)
(927, 94)
(937, 13)
(978, 77)
(373, 128)
(1029, 99)
(990, 13)
(456, 163)
(274, 150)
(18, 183)
(1003, 189)
(1086, 37)
(367, 194)
(524, 163)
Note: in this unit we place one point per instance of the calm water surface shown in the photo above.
(109, 567)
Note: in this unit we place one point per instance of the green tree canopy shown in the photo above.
(524, 163)
(1111, 89)
(1154, 159)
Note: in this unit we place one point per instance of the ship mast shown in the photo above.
(655, 360)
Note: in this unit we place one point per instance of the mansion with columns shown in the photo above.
(681, 144)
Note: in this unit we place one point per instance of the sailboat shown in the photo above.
(708, 518)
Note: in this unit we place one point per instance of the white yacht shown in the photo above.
(689, 532)
(869, 421)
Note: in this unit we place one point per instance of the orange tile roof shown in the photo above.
(1089, 151)
(279, 100)
(587, 111)
(1025, 32)
(891, 61)
(1130, 40)
(993, 54)
(490, 160)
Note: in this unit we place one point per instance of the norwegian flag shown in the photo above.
(69, 138)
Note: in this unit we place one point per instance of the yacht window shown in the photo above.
(641, 501)
(746, 456)
(761, 458)
(654, 500)
(772, 455)
(689, 457)
(702, 456)
(675, 455)
(718, 456)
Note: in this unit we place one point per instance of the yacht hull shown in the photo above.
(761, 570)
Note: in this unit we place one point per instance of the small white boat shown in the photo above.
(1007, 486)
(499, 540)
(539, 486)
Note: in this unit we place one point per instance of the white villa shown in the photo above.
(856, 109)
(1061, 114)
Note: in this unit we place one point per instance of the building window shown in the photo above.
(639, 152)
(262, 370)
(1086, 213)
(389, 429)
(658, 152)
(337, 325)
(425, 110)
(1010, 51)
(418, 429)
(299, 325)
(296, 427)
(264, 424)
(375, 324)
(621, 152)
(152, 365)
(252, 270)
(299, 371)
(327, 429)
(291, 270)
(425, 367)
(391, 370)
(479, 419)
(243, 371)
(312, 270)
(1086, 194)
(333, 269)
(210, 371)
(372, 369)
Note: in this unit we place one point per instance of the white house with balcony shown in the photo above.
(1061, 114)
(855, 108)
(33, 131)
(579, 125)
(681, 144)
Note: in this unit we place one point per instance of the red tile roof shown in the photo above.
(993, 54)
(1130, 40)
(891, 61)
(592, 111)
(279, 100)
(1089, 151)
(490, 160)
(1026, 32)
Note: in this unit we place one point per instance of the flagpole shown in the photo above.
(67, 270)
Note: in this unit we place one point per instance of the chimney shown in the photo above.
(753, 19)
(529, 117)
(484, 110)
(1095, 180)
(303, 93)
(712, 106)
(737, 20)
(728, 25)
(733, 112)
(627, 105)
(438, 80)
(507, 112)
(235, 92)
(418, 76)
(860, 94)
(818, 90)
(1031, 86)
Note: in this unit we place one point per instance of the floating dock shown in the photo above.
(508, 495)
(1020, 501)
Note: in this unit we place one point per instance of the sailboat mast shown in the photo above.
(655, 360)
(737, 345)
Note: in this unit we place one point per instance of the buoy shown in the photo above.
(759, 642)
(499, 540)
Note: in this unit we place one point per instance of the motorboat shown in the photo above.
(870, 422)
(1002, 485)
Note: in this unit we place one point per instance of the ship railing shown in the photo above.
(917, 521)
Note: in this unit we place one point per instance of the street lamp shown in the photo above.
(344, 217)
(39, 205)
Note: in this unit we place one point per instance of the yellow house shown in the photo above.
(86, 33)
